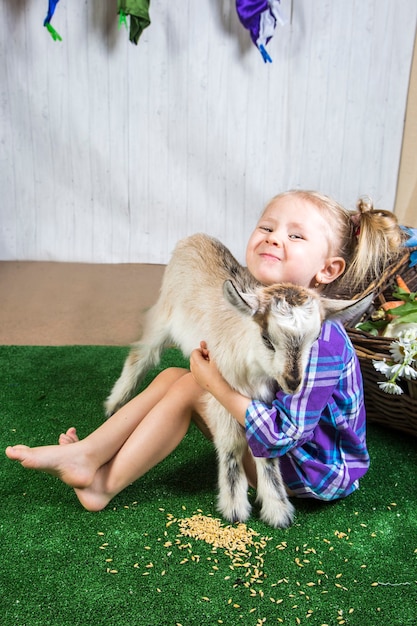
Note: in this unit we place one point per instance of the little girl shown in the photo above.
(319, 433)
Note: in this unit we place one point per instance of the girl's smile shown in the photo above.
(269, 257)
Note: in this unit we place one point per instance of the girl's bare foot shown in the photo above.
(95, 497)
(69, 437)
(69, 463)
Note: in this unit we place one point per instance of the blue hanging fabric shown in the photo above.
(47, 21)
(260, 17)
(411, 243)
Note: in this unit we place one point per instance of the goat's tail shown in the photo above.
(141, 358)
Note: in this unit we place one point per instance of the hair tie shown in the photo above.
(356, 223)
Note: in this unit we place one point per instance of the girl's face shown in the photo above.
(291, 244)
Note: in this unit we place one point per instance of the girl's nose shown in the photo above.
(274, 239)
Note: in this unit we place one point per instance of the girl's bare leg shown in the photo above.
(157, 435)
(77, 464)
(128, 444)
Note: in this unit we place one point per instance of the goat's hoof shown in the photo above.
(281, 516)
(236, 515)
(235, 518)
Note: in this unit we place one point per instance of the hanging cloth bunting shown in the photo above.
(47, 21)
(260, 18)
(138, 10)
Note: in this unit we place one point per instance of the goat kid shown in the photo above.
(260, 338)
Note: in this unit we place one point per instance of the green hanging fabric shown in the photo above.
(138, 10)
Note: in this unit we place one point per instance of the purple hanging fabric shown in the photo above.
(260, 18)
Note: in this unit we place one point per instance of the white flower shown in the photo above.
(409, 372)
(403, 364)
(390, 387)
(382, 366)
(410, 334)
(396, 370)
(398, 351)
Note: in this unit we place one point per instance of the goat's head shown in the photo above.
(289, 319)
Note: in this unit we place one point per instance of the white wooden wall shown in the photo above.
(112, 152)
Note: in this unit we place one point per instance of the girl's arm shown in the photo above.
(270, 429)
(208, 377)
(332, 382)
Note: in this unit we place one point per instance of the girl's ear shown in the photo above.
(333, 268)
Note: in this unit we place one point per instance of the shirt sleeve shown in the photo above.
(290, 422)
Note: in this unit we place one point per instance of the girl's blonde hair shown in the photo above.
(368, 239)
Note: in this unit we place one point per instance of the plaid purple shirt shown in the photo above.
(320, 432)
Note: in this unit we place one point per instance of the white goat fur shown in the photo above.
(260, 338)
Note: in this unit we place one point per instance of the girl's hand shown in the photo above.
(204, 350)
(207, 375)
(204, 369)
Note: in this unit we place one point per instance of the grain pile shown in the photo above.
(244, 546)
(211, 530)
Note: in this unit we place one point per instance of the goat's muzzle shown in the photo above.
(290, 384)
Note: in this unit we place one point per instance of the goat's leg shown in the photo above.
(143, 355)
(276, 509)
(232, 501)
(230, 443)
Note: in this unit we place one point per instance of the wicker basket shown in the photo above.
(394, 411)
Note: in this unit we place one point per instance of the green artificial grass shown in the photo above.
(352, 562)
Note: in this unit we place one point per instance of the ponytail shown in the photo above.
(375, 241)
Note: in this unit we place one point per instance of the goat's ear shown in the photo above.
(347, 311)
(246, 303)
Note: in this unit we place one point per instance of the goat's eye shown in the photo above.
(268, 343)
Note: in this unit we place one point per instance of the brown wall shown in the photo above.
(406, 200)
